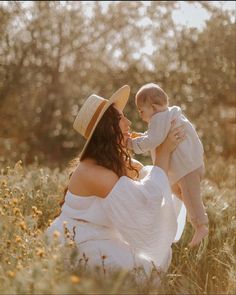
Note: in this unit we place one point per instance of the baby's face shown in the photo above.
(146, 111)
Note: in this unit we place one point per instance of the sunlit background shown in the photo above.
(54, 54)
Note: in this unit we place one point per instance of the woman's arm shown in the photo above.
(163, 152)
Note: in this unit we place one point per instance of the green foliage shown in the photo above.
(29, 200)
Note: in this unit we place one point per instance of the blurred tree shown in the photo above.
(197, 68)
(54, 54)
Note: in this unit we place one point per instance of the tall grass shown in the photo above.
(29, 198)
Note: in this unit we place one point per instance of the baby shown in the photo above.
(186, 164)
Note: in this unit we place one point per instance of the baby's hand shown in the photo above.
(135, 134)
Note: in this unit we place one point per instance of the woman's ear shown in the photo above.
(155, 107)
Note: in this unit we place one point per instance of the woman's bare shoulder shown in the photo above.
(92, 180)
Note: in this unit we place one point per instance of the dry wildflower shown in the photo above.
(6, 260)
(4, 183)
(56, 234)
(70, 243)
(38, 232)
(22, 225)
(19, 266)
(74, 279)
(18, 239)
(22, 246)
(40, 252)
(34, 209)
(39, 213)
(11, 274)
(49, 222)
(16, 211)
(14, 201)
(85, 257)
(103, 264)
(18, 165)
(66, 231)
(33, 234)
(8, 243)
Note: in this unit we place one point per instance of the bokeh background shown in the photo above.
(54, 54)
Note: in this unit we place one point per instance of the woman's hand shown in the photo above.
(174, 137)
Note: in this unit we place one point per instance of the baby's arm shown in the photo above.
(133, 135)
(136, 134)
(153, 137)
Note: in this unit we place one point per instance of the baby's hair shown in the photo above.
(151, 93)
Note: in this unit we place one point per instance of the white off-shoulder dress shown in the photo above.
(134, 226)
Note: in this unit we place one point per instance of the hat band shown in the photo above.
(94, 119)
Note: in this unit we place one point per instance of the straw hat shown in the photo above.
(94, 108)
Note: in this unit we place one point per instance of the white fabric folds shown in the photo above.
(146, 215)
(135, 225)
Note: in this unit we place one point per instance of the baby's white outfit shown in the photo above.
(188, 155)
(186, 162)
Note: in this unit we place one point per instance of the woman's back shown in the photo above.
(90, 179)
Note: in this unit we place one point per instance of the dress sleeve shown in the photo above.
(144, 214)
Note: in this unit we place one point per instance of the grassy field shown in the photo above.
(29, 199)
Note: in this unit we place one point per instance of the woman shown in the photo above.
(119, 213)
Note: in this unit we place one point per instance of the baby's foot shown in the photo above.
(200, 233)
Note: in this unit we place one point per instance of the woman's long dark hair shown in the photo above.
(106, 147)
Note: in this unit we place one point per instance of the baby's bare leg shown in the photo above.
(176, 189)
(191, 194)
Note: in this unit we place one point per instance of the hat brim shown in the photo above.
(119, 98)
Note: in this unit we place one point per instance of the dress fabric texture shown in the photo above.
(134, 226)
